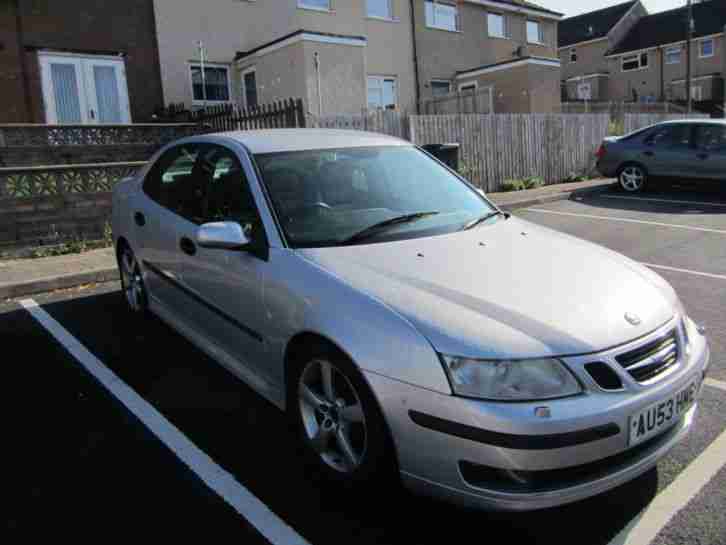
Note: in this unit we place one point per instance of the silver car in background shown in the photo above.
(406, 324)
(686, 149)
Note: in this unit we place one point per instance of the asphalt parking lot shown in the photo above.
(79, 463)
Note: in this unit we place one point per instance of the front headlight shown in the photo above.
(510, 380)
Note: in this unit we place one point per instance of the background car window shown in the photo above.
(229, 197)
(173, 183)
(670, 136)
(711, 138)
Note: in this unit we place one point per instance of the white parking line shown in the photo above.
(715, 383)
(652, 199)
(643, 528)
(687, 271)
(629, 220)
(223, 483)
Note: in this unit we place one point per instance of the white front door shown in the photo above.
(84, 90)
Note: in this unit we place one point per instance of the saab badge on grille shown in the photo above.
(633, 319)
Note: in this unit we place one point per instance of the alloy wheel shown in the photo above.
(333, 416)
(632, 178)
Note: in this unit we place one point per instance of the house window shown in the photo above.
(705, 48)
(468, 88)
(249, 84)
(635, 62)
(673, 55)
(214, 87)
(697, 93)
(322, 5)
(442, 15)
(496, 25)
(380, 9)
(382, 92)
(534, 32)
(440, 88)
(573, 55)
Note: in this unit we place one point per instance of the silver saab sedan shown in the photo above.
(405, 323)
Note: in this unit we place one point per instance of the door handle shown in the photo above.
(187, 246)
(649, 153)
(139, 219)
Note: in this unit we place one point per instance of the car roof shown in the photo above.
(708, 121)
(282, 140)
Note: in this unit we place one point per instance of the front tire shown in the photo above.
(337, 419)
(632, 178)
(132, 282)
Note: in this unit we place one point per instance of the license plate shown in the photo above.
(659, 416)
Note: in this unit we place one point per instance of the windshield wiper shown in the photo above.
(482, 219)
(376, 227)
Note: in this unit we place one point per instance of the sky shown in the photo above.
(575, 7)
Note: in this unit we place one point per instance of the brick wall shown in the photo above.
(84, 26)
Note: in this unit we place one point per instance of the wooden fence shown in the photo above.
(230, 117)
(499, 147)
(390, 122)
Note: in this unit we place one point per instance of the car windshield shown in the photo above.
(345, 196)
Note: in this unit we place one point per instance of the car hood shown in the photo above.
(508, 289)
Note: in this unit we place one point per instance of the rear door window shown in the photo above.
(176, 184)
(711, 138)
(670, 136)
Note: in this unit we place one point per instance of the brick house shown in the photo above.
(78, 61)
(636, 56)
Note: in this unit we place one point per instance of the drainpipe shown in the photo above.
(662, 75)
(23, 62)
(316, 61)
(417, 86)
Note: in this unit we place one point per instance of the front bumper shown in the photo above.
(431, 460)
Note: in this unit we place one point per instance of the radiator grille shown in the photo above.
(650, 360)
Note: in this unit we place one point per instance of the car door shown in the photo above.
(226, 285)
(157, 217)
(710, 159)
(668, 150)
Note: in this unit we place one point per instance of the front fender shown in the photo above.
(300, 296)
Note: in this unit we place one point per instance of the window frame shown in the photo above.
(382, 80)
(301, 4)
(503, 17)
(672, 49)
(540, 32)
(463, 86)
(388, 17)
(202, 102)
(432, 24)
(700, 48)
(640, 57)
(440, 81)
(249, 70)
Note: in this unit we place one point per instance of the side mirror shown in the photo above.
(222, 235)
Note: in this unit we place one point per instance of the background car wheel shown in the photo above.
(337, 419)
(632, 178)
(132, 283)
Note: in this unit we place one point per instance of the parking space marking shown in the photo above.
(644, 528)
(223, 483)
(687, 271)
(628, 220)
(715, 383)
(652, 199)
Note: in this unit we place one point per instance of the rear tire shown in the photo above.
(132, 282)
(337, 420)
(632, 178)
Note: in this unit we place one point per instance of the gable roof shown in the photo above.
(591, 25)
(524, 4)
(670, 27)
